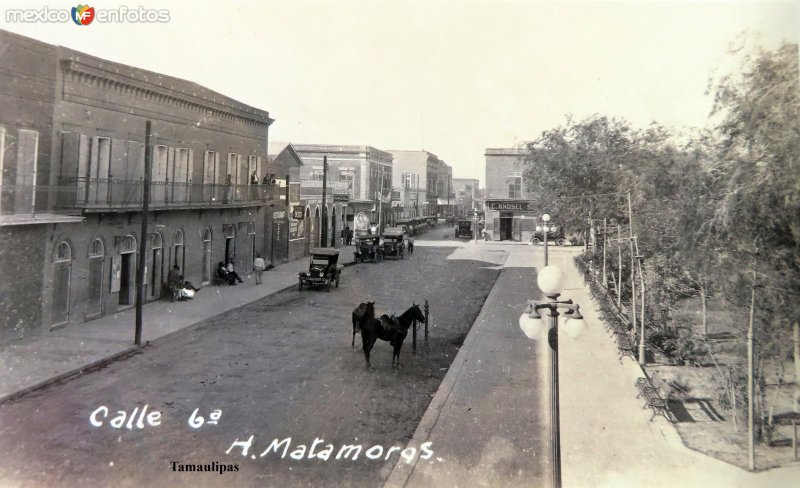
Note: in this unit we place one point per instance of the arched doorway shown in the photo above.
(123, 273)
(94, 299)
(307, 230)
(154, 262)
(62, 271)
(230, 244)
(207, 256)
(316, 230)
(178, 251)
(251, 234)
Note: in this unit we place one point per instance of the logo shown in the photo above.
(83, 14)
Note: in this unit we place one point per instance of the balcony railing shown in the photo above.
(87, 194)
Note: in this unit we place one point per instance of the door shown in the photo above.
(62, 269)
(207, 256)
(154, 267)
(94, 300)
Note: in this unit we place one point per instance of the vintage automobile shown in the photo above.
(394, 243)
(555, 235)
(323, 269)
(368, 248)
(464, 229)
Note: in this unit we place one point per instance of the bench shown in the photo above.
(652, 398)
(624, 346)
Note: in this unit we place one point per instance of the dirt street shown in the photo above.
(282, 367)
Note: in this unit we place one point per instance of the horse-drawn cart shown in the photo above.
(368, 248)
(323, 269)
(393, 243)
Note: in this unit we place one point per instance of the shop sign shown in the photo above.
(511, 206)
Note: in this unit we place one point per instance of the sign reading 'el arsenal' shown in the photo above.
(511, 205)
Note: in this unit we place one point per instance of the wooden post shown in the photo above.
(633, 266)
(703, 303)
(605, 234)
(414, 337)
(426, 320)
(750, 379)
(619, 263)
(143, 238)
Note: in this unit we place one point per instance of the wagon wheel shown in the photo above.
(535, 241)
(560, 241)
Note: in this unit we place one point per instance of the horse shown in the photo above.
(361, 313)
(391, 329)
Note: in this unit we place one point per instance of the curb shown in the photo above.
(126, 353)
(402, 471)
(91, 367)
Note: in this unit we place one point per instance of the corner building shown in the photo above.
(78, 174)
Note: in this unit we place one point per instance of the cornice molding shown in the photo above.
(85, 74)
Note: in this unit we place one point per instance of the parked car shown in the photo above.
(323, 269)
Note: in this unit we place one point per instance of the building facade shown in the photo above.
(424, 183)
(361, 174)
(507, 213)
(466, 192)
(79, 149)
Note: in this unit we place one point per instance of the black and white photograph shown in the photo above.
(399, 243)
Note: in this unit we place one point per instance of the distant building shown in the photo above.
(72, 153)
(358, 174)
(508, 216)
(424, 182)
(466, 192)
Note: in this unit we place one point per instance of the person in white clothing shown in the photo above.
(258, 267)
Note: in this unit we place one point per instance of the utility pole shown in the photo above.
(750, 373)
(141, 263)
(605, 234)
(642, 357)
(619, 262)
(324, 227)
(633, 265)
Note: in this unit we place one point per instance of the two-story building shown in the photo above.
(424, 182)
(508, 214)
(360, 174)
(72, 134)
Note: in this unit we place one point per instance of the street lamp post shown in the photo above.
(545, 230)
(550, 279)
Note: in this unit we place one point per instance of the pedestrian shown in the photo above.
(410, 245)
(349, 236)
(223, 275)
(233, 273)
(258, 267)
(174, 282)
(254, 178)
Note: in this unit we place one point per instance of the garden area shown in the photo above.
(692, 250)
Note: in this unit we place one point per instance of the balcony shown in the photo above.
(104, 195)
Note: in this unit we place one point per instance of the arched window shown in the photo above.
(97, 249)
(63, 253)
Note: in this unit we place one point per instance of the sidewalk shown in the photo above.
(29, 365)
(489, 421)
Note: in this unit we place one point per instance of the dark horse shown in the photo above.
(360, 314)
(391, 329)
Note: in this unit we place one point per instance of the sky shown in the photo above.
(450, 77)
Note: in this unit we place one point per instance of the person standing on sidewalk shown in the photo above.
(258, 267)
